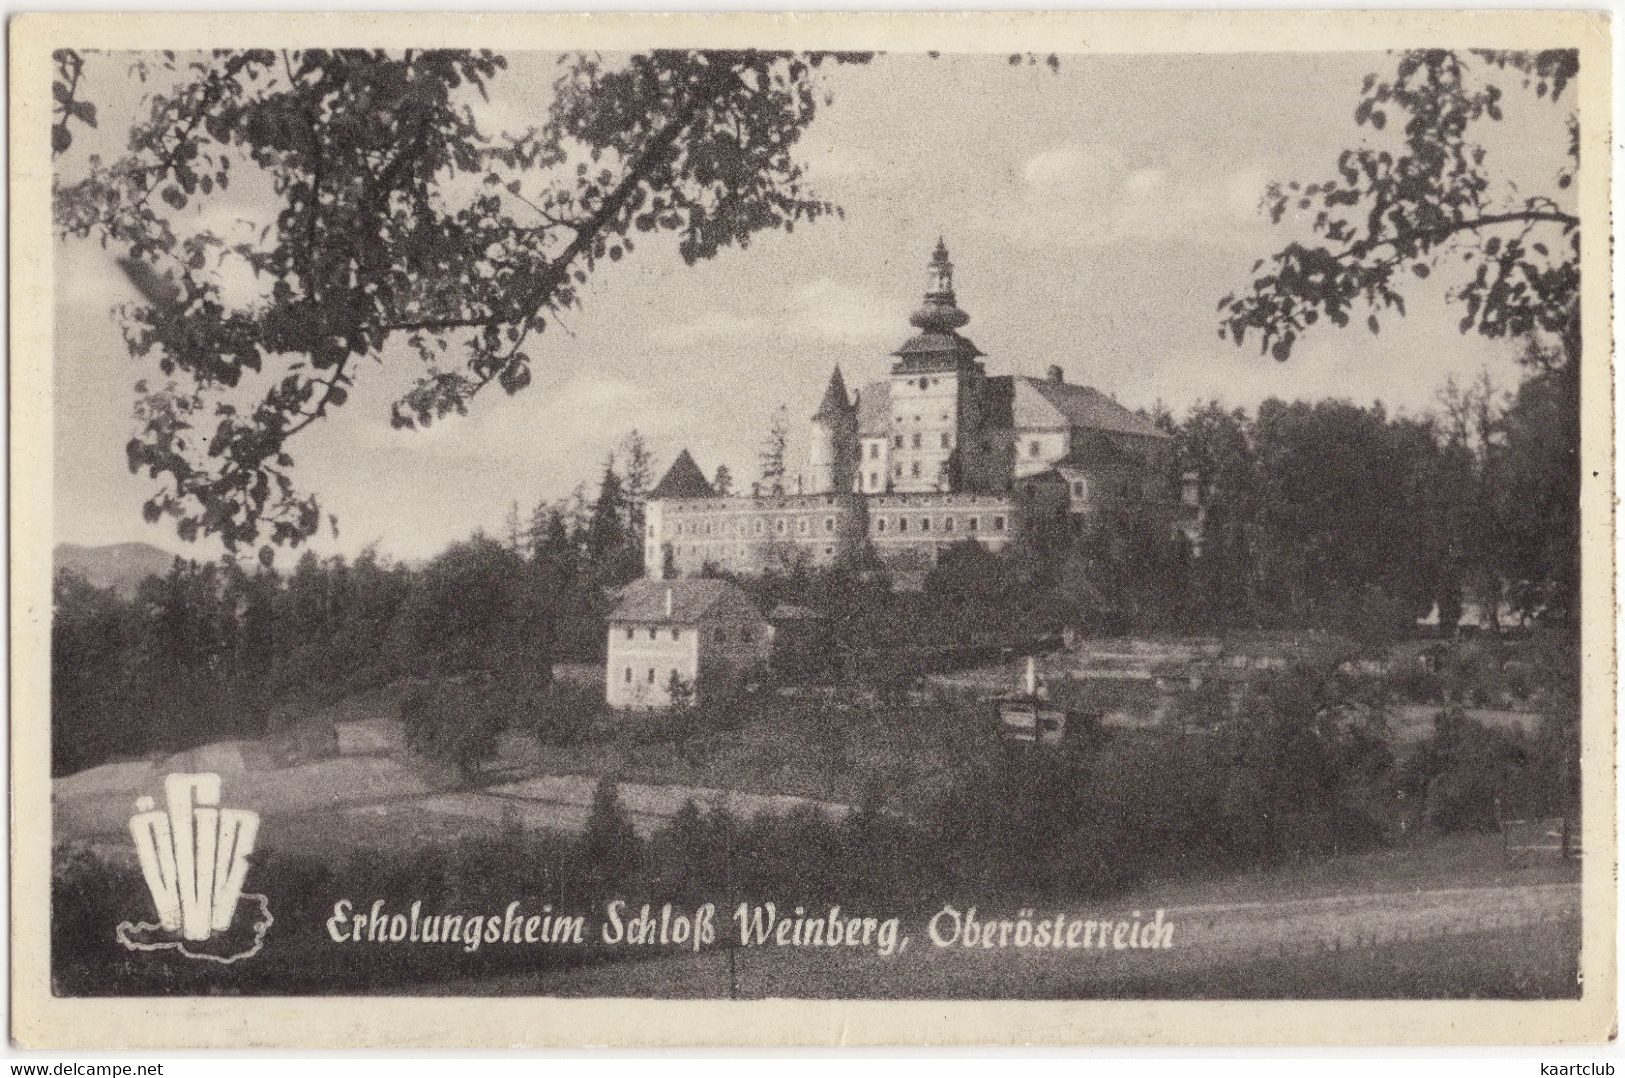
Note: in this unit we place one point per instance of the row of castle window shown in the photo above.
(738, 527)
(651, 675)
(720, 633)
(1035, 448)
(924, 523)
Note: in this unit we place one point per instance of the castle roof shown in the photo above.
(874, 409)
(682, 601)
(683, 480)
(836, 403)
(1040, 402)
(1014, 401)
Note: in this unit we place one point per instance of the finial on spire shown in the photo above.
(940, 313)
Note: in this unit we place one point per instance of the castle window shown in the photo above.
(970, 524)
(880, 524)
(947, 524)
(902, 524)
(651, 675)
(677, 634)
(778, 526)
(925, 383)
(829, 524)
(652, 633)
(1077, 488)
(998, 524)
(916, 441)
(925, 524)
(629, 633)
(629, 675)
(801, 525)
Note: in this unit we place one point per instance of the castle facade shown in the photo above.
(938, 453)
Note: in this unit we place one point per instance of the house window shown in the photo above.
(651, 675)
(629, 675)
(947, 524)
(829, 524)
(801, 525)
(925, 383)
(945, 439)
(902, 524)
(1077, 488)
(629, 632)
(899, 441)
(677, 634)
(998, 524)
(652, 633)
(778, 526)
(674, 676)
(971, 523)
(874, 479)
(899, 471)
(880, 524)
(874, 450)
(925, 524)
(1034, 449)
(829, 550)
(915, 470)
(916, 441)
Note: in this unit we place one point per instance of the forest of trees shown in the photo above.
(1325, 515)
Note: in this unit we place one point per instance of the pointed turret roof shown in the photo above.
(837, 402)
(683, 480)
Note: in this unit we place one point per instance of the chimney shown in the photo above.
(1055, 375)
(668, 602)
(1032, 673)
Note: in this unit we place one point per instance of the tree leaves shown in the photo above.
(1388, 212)
(373, 236)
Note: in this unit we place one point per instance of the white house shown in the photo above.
(693, 631)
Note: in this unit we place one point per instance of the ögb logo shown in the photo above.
(194, 857)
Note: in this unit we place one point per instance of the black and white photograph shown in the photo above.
(851, 520)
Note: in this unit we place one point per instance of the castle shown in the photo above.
(938, 453)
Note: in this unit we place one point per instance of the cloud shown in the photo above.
(820, 310)
(1089, 195)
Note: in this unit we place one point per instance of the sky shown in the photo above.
(1095, 216)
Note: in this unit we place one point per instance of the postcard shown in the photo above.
(840, 529)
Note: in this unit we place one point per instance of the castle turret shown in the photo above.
(936, 389)
(833, 445)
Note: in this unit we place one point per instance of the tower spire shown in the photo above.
(940, 312)
(837, 402)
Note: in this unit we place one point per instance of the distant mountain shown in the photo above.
(120, 566)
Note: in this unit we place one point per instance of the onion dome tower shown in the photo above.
(935, 392)
(938, 346)
(833, 447)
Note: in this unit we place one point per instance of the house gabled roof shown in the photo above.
(683, 480)
(691, 600)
